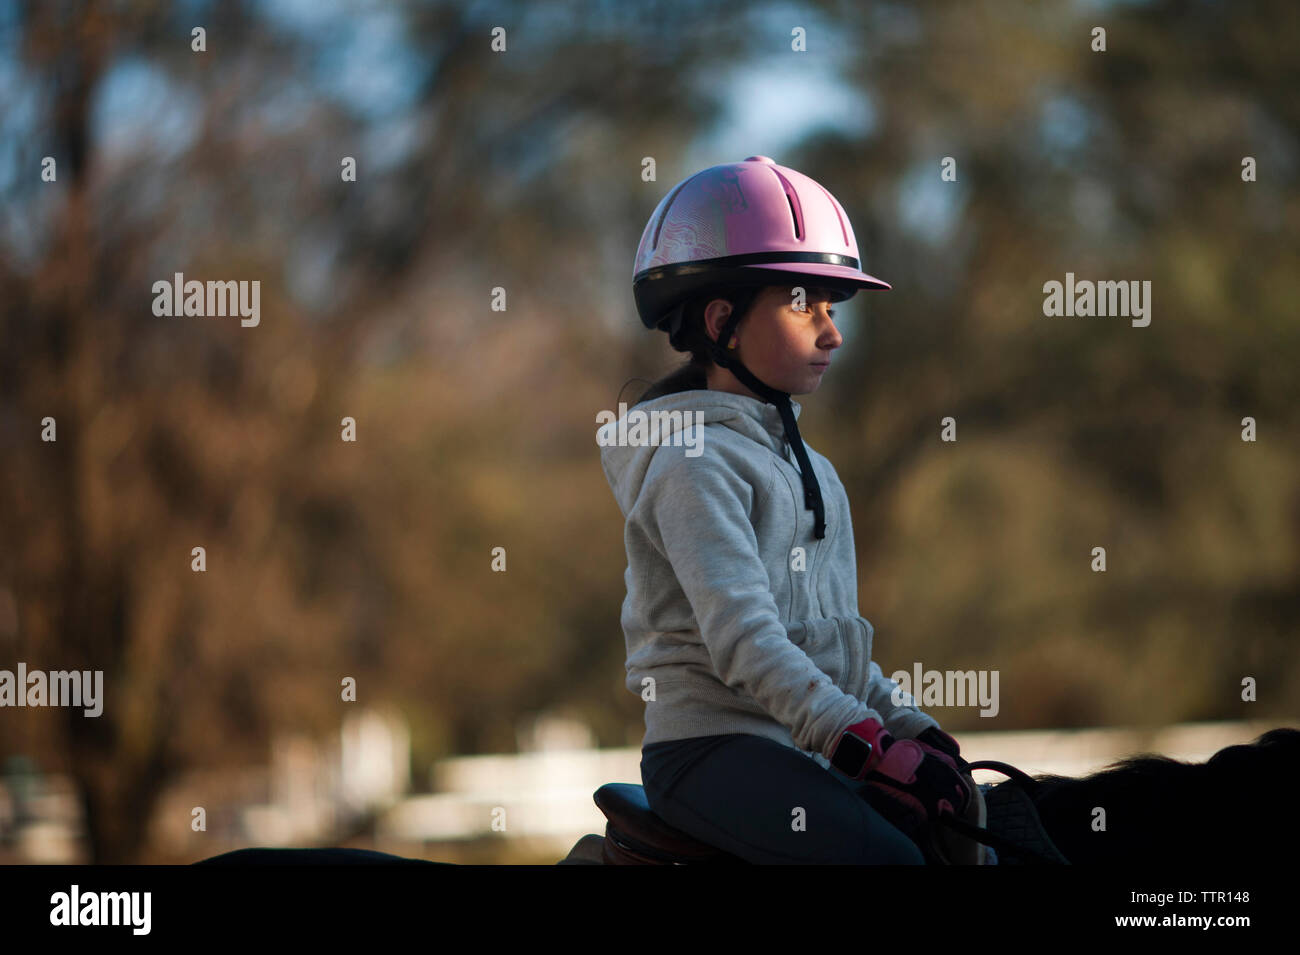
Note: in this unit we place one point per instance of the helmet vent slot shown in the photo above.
(796, 210)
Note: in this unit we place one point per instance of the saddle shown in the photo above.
(635, 835)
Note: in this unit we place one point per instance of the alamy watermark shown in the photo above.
(210, 299)
(947, 688)
(75, 907)
(659, 427)
(83, 688)
(1087, 298)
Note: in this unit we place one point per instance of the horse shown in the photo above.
(1231, 810)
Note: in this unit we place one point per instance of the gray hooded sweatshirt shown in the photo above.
(737, 618)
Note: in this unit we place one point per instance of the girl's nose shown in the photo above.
(830, 336)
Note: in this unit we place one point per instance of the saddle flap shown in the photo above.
(1011, 814)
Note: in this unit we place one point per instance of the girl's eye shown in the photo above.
(830, 312)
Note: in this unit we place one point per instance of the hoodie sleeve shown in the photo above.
(904, 721)
(699, 514)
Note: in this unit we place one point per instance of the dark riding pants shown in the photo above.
(741, 793)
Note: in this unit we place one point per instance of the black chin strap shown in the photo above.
(812, 492)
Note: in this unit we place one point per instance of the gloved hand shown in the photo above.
(919, 784)
(938, 743)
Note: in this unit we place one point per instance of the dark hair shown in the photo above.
(692, 337)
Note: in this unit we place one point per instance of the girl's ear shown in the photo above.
(716, 313)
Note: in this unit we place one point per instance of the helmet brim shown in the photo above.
(850, 280)
(657, 297)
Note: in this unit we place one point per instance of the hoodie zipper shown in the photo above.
(819, 547)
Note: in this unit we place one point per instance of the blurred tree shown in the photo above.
(181, 432)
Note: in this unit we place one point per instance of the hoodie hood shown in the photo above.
(676, 419)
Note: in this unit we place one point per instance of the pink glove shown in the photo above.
(922, 785)
(927, 782)
(909, 783)
(943, 747)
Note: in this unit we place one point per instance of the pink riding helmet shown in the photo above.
(753, 222)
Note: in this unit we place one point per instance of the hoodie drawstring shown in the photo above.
(812, 492)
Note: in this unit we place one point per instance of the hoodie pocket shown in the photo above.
(857, 648)
(823, 641)
(839, 646)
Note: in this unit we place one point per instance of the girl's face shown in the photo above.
(785, 347)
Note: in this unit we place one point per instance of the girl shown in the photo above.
(770, 731)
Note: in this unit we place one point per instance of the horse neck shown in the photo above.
(1128, 814)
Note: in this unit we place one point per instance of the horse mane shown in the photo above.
(1162, 809)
